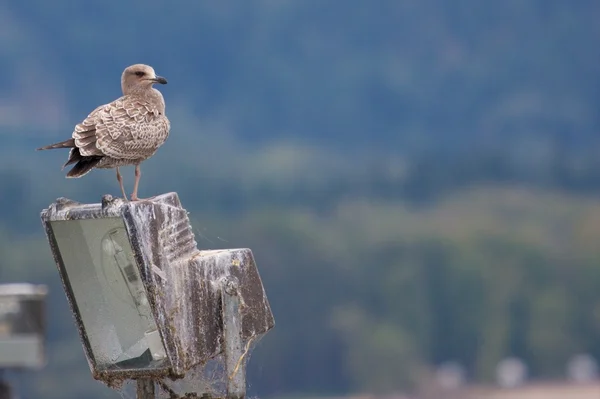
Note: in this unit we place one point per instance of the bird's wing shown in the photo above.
(85, 134)
(127, 128)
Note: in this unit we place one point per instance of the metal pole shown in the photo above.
(145, 388)
(232, 332)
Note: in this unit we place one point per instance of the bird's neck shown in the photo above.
(151, 96)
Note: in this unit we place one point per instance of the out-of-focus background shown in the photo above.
(419, 180)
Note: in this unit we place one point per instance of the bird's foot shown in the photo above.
(136, 198)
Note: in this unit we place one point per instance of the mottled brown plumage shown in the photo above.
(126, 131)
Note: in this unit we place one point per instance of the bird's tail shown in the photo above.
(83, 167)
(82, 164)
(70, 143)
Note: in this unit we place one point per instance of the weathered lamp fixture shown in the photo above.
(148, 304)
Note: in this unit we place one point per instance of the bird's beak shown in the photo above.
(159, 79)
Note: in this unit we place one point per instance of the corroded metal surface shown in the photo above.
(183, 284)
(145, 389)
(235, 352)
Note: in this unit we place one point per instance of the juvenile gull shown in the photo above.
(126, 131)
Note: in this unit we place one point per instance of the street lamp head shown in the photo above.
(146, 301)
(22, 326)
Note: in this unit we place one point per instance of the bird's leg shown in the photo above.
(120, 180)
(138, 174)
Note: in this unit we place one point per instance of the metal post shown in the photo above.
(145, 388)
(232, 332)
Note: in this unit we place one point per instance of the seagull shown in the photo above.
(126, 131)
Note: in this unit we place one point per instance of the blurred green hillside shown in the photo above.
(419, 180)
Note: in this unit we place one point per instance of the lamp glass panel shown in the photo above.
(109, 293)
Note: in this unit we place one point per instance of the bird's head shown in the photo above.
(139, 77)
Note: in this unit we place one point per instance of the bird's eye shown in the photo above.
(139, 73)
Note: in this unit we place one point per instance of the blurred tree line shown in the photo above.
(418, 181)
